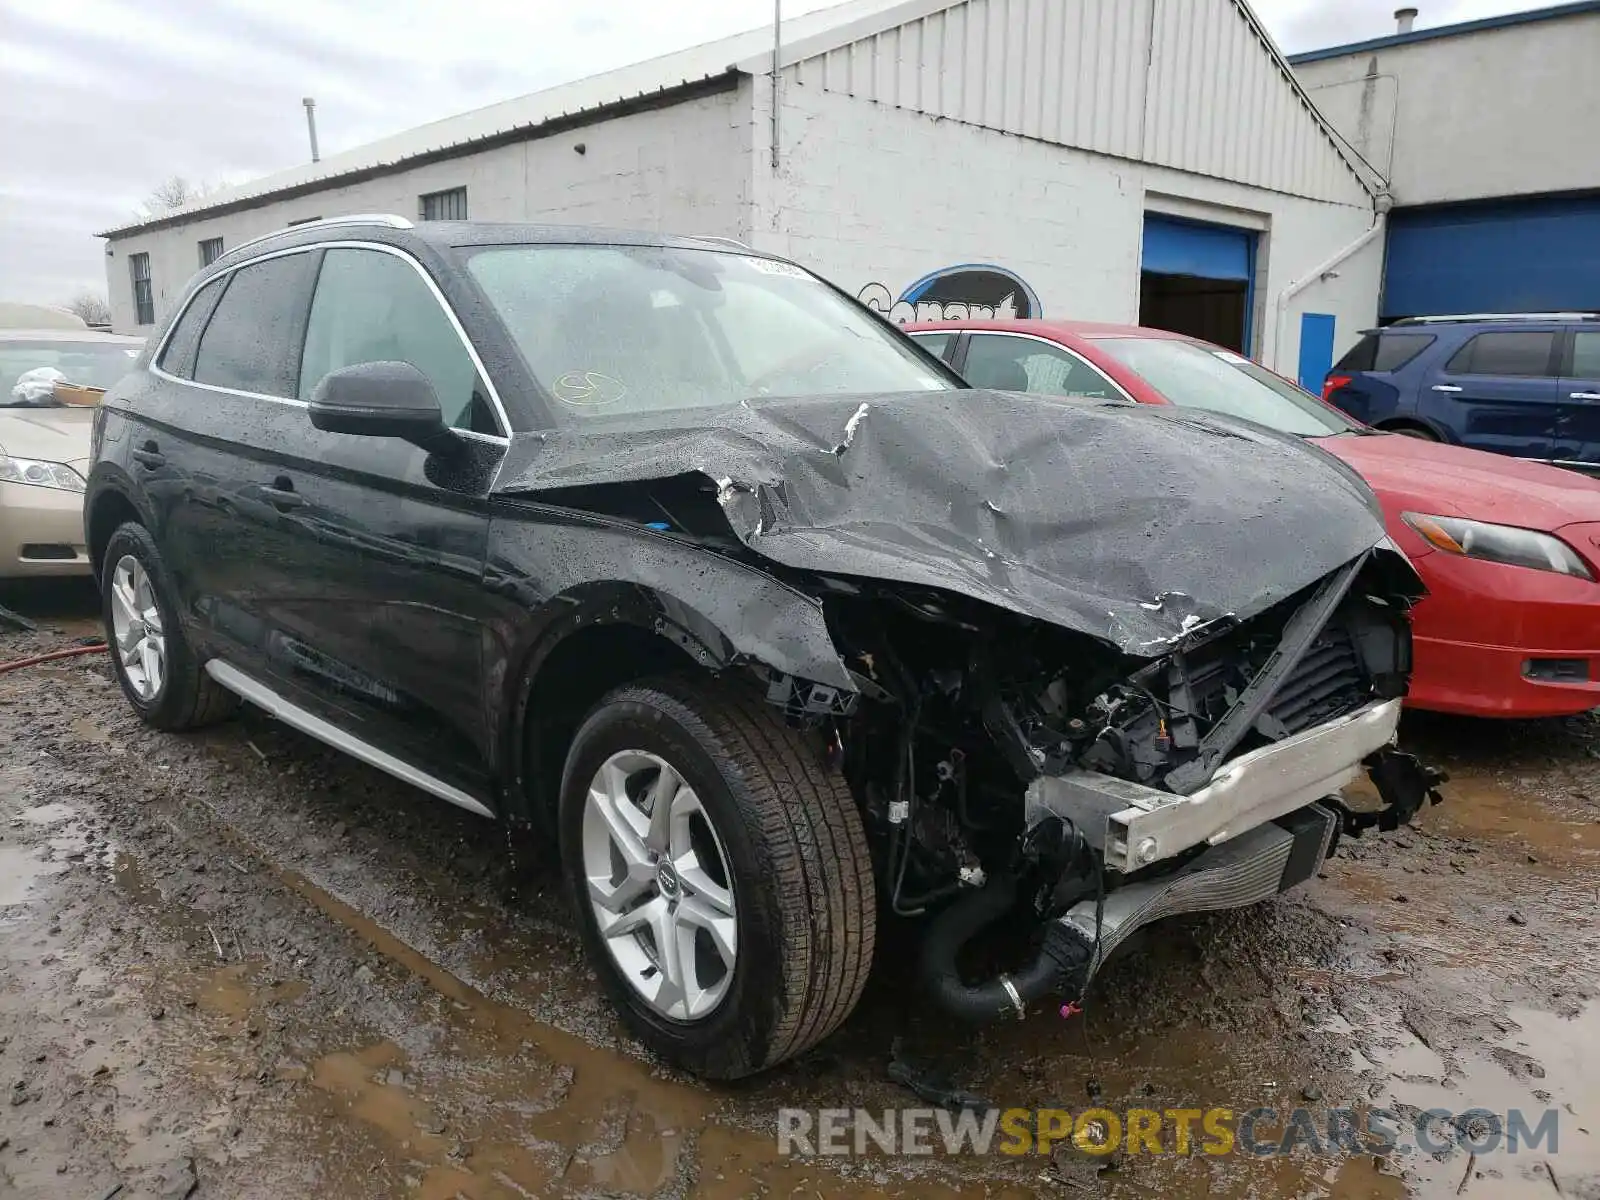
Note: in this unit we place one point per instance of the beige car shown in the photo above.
(50, 380)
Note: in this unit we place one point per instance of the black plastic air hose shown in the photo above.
(1059, 965)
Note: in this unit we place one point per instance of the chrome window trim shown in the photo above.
(501, 417)
(1034, 337)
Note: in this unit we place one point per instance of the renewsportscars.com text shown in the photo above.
(1262, 1132)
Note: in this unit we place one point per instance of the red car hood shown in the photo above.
(1412, 475)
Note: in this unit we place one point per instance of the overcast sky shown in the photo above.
(100, 100)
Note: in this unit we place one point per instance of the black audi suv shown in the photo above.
(672, 552)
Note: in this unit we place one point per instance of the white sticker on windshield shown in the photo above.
(1228, 356)
(769, 266)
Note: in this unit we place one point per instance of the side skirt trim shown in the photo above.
(289, 713)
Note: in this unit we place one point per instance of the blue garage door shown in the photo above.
(1197, 278)
(1174, 247)
(1512, 256)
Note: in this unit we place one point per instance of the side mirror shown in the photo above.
(381, 399)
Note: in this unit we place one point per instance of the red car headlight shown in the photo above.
(1498, 543)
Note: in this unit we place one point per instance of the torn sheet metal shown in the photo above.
(1131, 523)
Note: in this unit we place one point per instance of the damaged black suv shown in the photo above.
(671, 550)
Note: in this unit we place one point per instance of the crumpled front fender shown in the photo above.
(565, 570)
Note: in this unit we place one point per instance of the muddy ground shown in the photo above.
(238, 964)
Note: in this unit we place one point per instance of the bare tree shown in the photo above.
(90, 308)
(172, 194)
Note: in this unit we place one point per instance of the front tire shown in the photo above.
(158, 670)
(721, 874)
(1416, 431)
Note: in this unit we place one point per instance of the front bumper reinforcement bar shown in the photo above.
(1136, 826)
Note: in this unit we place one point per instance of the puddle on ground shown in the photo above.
(477, 1098)
(560, 1109)
(53, 813)
(528, 1110)
(360, 1081)
(20, 869)
(127, 874)
(235, 992)
(86, 730)
(1544, 1070)
(1478, 807)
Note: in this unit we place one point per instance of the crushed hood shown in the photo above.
(1131, 523)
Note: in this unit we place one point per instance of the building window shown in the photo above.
(302, 221)
(444, 206)
(144, 300)
(210, 251)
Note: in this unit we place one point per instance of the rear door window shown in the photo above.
(177, 356)
(1395, 350)
(1361, 356)
(1586, 355)
(252, 342)
(372, 306)
(1519, 352)
(1384, 351)
(1022, 364)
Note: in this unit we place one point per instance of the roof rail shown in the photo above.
(1523, 316)
(390, 219)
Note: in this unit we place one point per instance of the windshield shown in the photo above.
(29, 370)
(610, 330)
(1220, 381)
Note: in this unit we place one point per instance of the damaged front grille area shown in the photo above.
(1328, 682)
(1203, 687)
(965, 706)
(1290, 673)
(1007, 766)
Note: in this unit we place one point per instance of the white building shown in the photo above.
(1096, 159)
(1486, 134)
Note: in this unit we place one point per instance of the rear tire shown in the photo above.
(798, 873)
(158, 670)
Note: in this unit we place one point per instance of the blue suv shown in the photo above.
(1527, 384)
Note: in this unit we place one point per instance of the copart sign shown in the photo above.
(956, 293)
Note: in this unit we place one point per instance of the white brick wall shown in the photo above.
(872, 194)
(679, 169)
(865, 194)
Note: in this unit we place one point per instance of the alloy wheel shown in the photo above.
(136, 628)
(660, 885)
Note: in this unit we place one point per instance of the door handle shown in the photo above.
(1586, 395)
(281, 495)
(148, 456)
(1445, 387)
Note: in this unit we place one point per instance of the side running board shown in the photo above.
(290, 713)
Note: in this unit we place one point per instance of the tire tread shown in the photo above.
(811, 827)
(192, 698)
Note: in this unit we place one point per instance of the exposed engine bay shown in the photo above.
(962, 707)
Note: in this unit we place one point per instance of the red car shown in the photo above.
(1510, 549)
